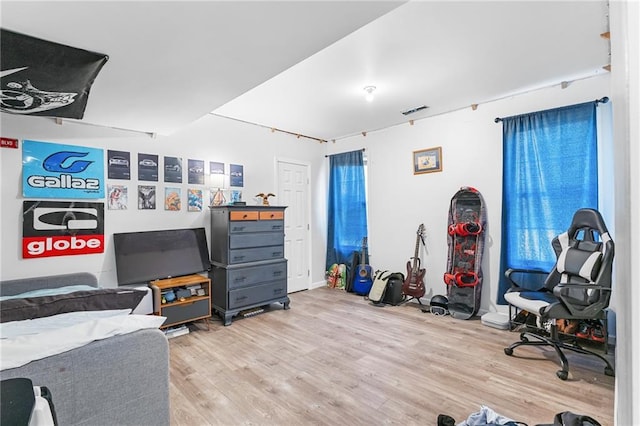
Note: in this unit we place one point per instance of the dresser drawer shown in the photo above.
(236, 227)
(244, 215)
(256, 294)
(243, 277)
(255, 254)
(186, 312)
(272, 215)
(261, 239)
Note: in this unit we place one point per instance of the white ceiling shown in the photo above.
(301, 66)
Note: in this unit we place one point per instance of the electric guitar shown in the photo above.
(363, 278)
(414, 283)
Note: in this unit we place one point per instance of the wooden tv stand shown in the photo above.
(191, 308)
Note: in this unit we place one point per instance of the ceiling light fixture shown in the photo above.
(369, 95)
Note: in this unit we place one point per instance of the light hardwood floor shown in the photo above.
(335, 359)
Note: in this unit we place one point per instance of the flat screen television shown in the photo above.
(146, 256)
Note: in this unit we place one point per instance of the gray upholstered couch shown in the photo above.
(121, 380)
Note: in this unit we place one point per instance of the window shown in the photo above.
(347, 206)
(550, 170)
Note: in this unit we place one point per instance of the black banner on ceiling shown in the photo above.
(43, 78)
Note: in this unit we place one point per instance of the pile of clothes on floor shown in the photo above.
(487, 417)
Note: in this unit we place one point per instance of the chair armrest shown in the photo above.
(515, 278)
(578, 302)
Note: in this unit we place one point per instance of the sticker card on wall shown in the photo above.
(52, 170)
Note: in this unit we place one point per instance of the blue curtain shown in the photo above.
(550, 170)
(347, 215)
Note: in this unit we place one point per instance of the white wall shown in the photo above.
(398, 200)
(472, 156)
(210, 138)
(625, 45)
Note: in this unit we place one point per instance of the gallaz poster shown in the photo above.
(40, 77)
(51, 170)
(55, 228)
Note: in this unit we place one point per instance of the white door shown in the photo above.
(293, 192)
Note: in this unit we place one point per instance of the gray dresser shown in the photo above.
(248, 268)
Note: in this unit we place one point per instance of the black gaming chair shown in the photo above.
(578, 288)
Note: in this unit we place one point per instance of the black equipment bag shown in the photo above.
(567, 418)
(393, 293)
(352, 265)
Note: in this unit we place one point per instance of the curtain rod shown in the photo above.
(603, 100)
(273, 129)
(361, 149)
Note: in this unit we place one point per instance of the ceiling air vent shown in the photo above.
(416, 109)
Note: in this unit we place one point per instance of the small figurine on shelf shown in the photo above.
(265, 197)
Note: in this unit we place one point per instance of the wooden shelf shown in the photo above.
(189, 309)
(179, 281)
(186, 301)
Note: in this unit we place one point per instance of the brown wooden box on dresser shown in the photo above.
(248, 268)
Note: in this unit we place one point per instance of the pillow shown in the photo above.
(93, 300)
(585, 264)
(49, 291)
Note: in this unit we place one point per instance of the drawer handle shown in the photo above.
(238, 257)
(238, 229)
(245, 216)
(240, 298)
(276, 253)
(277, 291)
(277, 273)
(239, 279)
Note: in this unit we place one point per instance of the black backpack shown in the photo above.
(393, 293)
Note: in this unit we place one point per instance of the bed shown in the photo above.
(118, 380)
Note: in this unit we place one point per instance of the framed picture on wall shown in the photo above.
(118, 197)
(172, 199)
(146, 197)
(119, 165)
(216, 168)
(173, 169)
(427, 160)
(196, 172)
(194, 200)
(148, 167)
(236, 173)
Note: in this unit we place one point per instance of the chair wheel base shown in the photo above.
(562, 375)
(508, 351)
(609, 371)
